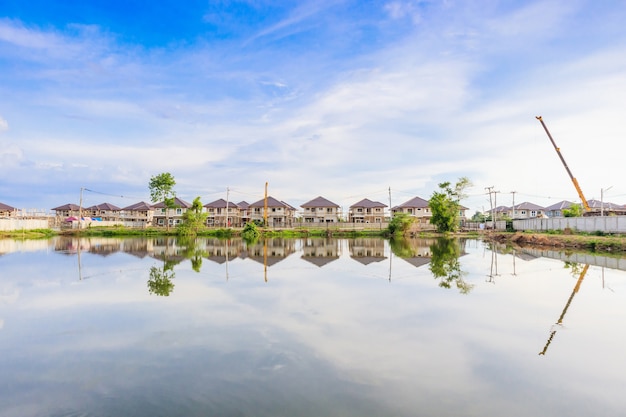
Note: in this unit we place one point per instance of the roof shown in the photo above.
(528, 206)
(596, 204)
(368, 204)
(319, 202)
(177, 202)
(221, 203)
(104, 206)
(559, 206)
(142, 205)
(415, 202)
(271, 202)
(243, 205)
(5, 207)
(69, 206)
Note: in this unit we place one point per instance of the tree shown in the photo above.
(399, 224)
(162, 189)
(445, 205)
(194, 218)
(445, 264)
(575, 210)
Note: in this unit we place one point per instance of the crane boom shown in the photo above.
(558, 151)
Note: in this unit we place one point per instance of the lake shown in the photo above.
(308, 327)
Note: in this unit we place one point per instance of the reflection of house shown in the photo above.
(141, 212)
(221, 250)
(7, 211)
(67, 210)
(222, 213)
(320, 251)
(320, 210)
(271, 251)
(174, 215)
(367, 211)
(104, 211)
(416, 207)
(367, 250)
(279, 213)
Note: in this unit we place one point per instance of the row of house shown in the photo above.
(529, 210)
(276, 213)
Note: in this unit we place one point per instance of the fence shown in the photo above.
(604, 224)
(12, 224)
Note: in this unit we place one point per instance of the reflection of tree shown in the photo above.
(160, 281)
(401, 247)
(445, 264)
(192, 252)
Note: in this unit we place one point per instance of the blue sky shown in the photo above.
(344, 99)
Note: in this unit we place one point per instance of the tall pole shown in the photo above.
(390, 213)
(513, 192)
(227, 190)
(80, 209)
(265, 207)
(493, 224)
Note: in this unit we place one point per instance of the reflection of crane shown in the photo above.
(569, 301)
(558, 151)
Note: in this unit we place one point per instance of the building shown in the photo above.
(223, 214)
(556, 210)
(279, 213)
(416, 207)
(68, 210)
(172, 216)
(7, 211)
(320, 210)
(141, 212)
(367, 211)
(104, 212)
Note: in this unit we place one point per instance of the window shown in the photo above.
(179, 211)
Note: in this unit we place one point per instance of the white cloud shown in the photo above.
(4, 125)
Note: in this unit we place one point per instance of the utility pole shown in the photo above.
(227, 210)
(80, 209)
(390, 213)
(513, 192)
(489, 190)
(265, 207)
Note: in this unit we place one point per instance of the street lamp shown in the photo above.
(602, 190)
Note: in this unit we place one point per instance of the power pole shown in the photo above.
(265, 207)
(513, 192)
(489, 190)
(227, 224)
(390, 213)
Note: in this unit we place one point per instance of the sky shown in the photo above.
(347, 100)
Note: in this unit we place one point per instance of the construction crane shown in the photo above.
(559, 322)
(558, 151)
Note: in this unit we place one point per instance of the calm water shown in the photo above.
(308, 327)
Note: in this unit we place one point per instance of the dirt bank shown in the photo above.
(585, 242)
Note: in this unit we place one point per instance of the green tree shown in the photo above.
(162, 189)
(193, 219)
(250, 232)
(399, 224)
(575, 210)
(160, 281)
(445, 205)
(479, 217)
(445, 264)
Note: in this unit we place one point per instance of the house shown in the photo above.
(416, 207)
(500, 212)
(556, 210)
(174, 216)
(320, 210)
(223, 214)
(279, 213)
(606, 208)
(104, 211)
(7, 211)
(244, 212)
(367, 211)
(68, 210)
(141, 212)
(526, 210)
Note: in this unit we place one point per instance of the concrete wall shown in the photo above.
(12, 224)
(606, 224)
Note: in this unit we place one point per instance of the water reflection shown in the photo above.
(581, 271)
(326, 335)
